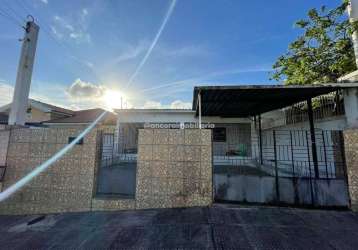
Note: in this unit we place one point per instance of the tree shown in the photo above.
(323, 53)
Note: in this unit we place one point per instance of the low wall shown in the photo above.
(262, 189)
(174, 168)
(66, 186)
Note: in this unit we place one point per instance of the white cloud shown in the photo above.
(131, 52)
(56, 32)
(63, 23)
(76, 29)
(186, 85)
(84, 12)
(177, 104)
(82, 95)
(6, 92)
(85, 90)
(185, 51)
(80, 37)
(44, 1)
(152, 105)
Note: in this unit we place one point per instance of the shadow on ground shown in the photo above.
(217, 227)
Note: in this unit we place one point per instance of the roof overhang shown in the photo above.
(251, 100)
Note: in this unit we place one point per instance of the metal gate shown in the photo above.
(280, 168)
(115, 174)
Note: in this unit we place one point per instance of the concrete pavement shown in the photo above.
(217, 227)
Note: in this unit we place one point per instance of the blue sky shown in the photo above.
(89, 48)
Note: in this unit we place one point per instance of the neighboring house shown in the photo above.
(38, 112)
(82, 117)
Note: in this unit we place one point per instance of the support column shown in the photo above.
(351, 144)
(351, 106)
(260, 140)
(313, 137)
(351, 158)
(353, 17)
(24, 73)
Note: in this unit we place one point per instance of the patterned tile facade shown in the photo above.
(351, 151)
(67, 186)
(174, 168)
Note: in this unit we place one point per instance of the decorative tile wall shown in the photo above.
(67, 186)
(174, 168)
(351, 151)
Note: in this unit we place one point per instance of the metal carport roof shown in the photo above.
(250, 100)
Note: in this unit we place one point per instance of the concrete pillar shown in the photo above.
(353, 17)
(351, 155)
(351, 107)
(351, 143)
(24, 73)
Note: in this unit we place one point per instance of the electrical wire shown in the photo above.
(10, 18)
(15, 14)
(48, 32)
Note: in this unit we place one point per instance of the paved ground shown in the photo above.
(218, 227)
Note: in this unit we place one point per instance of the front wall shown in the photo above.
(66, 186)
(351, 150)
(174, 168)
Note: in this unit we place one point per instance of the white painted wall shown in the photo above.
(283, 138)
(170, 116)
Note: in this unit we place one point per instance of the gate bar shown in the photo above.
(292, 155)
(325, 153)
(313, 138)
(276, 166)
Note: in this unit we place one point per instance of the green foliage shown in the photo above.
(323, 53)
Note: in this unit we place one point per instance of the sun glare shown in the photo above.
(113, 99)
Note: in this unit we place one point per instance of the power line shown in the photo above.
(48, 31)
(16, 15)
(10, 18)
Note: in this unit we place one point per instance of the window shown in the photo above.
(71, 139)
(219, 134)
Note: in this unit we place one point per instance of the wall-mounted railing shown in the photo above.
(324, 106)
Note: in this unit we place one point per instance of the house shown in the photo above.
(44, 114)
(82, 118)
(250, 144)
(278, 132)
(38, 112)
